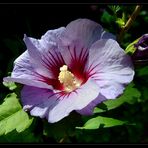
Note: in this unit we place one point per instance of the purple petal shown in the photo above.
(75, 58)
(76, 100)
(43, 102)
(34, 65)
(112, 89)
(107, 35)
(49, 39)
(39, 51)
(76, 39)
(88, 110)
(110, 67)
(24, 73)
(44, 54)
(81, 31)
(35, 54)
(37, 100)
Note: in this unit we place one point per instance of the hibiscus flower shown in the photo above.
(71, 68)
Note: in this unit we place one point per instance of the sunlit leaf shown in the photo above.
(130, 49)
(121, 21)
(99, 110)
(10, 85)
(12, 116)
(114, 8)
(96, 122)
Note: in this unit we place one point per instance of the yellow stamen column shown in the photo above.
(68, 79)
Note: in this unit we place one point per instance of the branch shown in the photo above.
(129, 22)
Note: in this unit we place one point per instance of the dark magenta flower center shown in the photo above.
(69, 81)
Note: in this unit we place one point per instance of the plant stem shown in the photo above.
(129, 22)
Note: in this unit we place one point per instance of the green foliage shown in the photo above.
(114, 17)
(114, 8)
(12, 116)
(121, 21)
(104, 122)
(26, 136)
(144, 15)
(107, 18)
(10, 85)
(143, 71)
(130, 49)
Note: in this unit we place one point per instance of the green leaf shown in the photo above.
(120, 22)
(10, 85)
(130, 95)
(114, 8)
(12, 116)
(130, 49)
(96, 122)
(107, 18)
(99, 110)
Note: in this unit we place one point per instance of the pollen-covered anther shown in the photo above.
(68, 79)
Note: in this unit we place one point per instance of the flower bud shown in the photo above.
(139, 50)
